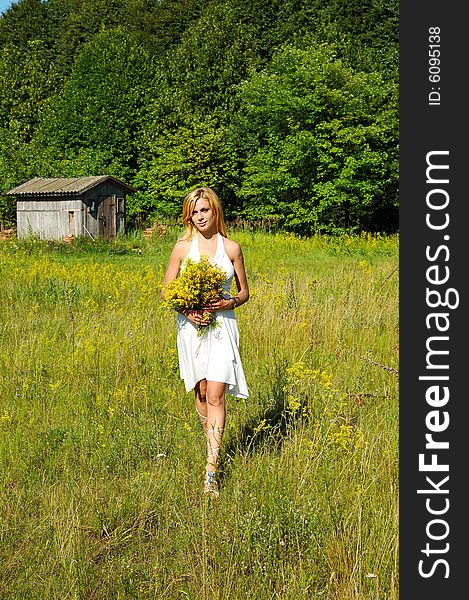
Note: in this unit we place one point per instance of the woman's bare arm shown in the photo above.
(235, 254)
(240, 276)
(172, 270)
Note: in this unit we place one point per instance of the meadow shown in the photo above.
(102, 456)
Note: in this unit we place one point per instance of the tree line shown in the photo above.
(287, 108)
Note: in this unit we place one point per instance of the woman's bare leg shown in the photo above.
(210, 406)
(215, 405)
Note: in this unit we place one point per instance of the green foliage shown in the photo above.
(319, 142)
(23, 22)
(92, 126)
(75, 23)
(195, 154)
(214, 55)
(195, 97)
(234, 94)
(26, 83)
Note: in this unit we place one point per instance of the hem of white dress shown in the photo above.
(230, 388)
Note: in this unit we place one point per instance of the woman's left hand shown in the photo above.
(219, 304)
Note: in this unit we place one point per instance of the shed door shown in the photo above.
(107, 217)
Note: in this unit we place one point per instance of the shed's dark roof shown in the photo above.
(58, 186)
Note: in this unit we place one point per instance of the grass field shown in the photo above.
(102, 455)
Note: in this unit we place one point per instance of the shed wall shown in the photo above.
(92, 200)
(50, 219)
(98, 212)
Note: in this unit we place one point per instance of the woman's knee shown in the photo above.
(215, 399)
(215, 393)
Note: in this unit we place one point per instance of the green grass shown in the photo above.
(102, 456)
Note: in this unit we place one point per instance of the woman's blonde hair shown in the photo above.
(201, 193)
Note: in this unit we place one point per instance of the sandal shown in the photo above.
(210, 484)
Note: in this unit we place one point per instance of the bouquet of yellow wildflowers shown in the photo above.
(198, 283)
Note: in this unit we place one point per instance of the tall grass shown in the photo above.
(102, 455)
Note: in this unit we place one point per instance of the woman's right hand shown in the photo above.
(196, 317)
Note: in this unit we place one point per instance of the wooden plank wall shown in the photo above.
(55, 218)
(50, 219)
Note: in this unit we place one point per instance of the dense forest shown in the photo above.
(287, 108)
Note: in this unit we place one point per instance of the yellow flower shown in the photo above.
(343, 437)
(198, 283)
(293, 404)
(262, 426)
(346, 437)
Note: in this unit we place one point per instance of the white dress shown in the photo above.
(215, 355)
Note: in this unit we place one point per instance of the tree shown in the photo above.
(236, 94)
(27, 80)
(195, 96)
(23, 22)
(93, 125)
(319, 144)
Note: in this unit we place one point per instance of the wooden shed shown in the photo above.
(57, 208)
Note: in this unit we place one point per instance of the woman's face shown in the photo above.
(202, 216)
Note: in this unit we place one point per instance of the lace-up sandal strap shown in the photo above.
(205, 418)
(215, 431)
